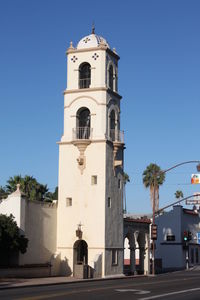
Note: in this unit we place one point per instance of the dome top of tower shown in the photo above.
(92, 40)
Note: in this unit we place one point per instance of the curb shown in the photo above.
(70, 282)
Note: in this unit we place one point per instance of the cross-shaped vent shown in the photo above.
(74, 59)
(95, 56)
(87, 39)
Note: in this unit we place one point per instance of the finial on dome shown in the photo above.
(93, 28)
(71, 45)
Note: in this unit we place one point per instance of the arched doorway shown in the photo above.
(80, 250)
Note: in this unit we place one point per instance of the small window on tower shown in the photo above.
(68, 201)
(109, 202)
(119, 184)
(94, 179)
(114, 257)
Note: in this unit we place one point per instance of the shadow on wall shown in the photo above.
(60, 267)
(64, 268)
(97, 272)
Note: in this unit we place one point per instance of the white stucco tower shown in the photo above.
(90, 205)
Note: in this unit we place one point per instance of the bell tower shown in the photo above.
(90, 205)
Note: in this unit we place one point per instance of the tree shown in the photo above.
(153, 176)
(11, 240)
(52, 196)
(3, 193)
(178, 194)
(125, 180)
(31, 188)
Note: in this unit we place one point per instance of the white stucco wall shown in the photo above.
(38, 221)
(41, 230)
(12, 205)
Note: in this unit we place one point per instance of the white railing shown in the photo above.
(82, 133)
(84, 83)
(117, 135)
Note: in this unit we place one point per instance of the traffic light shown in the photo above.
(185, 236)
(189, 235)
(154, 232)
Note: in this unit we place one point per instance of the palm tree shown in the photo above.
(125, 180)
(153, 175)
(31, 188)
(178, 194)
(3, 193)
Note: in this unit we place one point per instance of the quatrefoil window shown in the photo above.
(87, 39)
(74, 59)
(95, 56)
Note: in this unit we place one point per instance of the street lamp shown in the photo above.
(154, 199)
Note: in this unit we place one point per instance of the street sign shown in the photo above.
(195, 178)
(192, 202)
(197, 196)
(198, 237)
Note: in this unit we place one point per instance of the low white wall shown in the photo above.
(12, 205)
(40, 229)
(38, 221)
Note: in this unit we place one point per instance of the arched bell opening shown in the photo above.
(112, 125)
(110, 77)
(83, 123)
(84, 75)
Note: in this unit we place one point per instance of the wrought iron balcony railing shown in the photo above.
(82, 133)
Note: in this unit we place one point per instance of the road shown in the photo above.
(176, 286)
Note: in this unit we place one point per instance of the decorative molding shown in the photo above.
(75, 50)
(79, 97)
(93, 90)
(92, 141)
(81, 145)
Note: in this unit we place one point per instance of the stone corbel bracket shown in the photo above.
(116, 147)
(81, 160)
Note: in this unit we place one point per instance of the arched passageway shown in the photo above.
(136, 246)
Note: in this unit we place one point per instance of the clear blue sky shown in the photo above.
(159, 79)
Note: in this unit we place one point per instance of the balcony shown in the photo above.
(82, 133)
(84, 83)
(117, 135)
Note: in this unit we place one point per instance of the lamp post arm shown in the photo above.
(180, 164)
(183, 199)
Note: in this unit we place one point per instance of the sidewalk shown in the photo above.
(7, 283)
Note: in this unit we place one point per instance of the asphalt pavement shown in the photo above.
(177, 285)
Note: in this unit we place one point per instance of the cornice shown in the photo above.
(75, 50)
(100, 47)
(91, 141)
(74, 91)
(113, 53)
